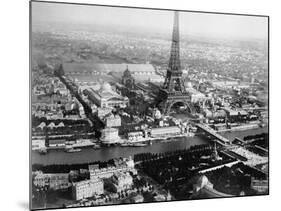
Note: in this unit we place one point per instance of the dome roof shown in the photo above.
(202, 181)
(42, 124)
(96, 86)
(60, 124)
(51, 125)
(105, 87)
(157, 114)
(74, 105)
(188, 84)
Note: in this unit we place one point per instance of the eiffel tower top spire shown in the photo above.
(174, 62)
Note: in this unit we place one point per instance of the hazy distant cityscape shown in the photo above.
(124, 113)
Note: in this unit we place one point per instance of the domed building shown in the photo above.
(127, 79)
(196, 96)
(105, 97)
(74, 105)
(157, 114)
(110, 136)
(96, 86)
(202, 181)
(204, 189)
(188, 84)
(106, 87)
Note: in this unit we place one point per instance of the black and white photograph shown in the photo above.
(143, 105)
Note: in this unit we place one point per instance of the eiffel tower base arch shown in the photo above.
(166, 105)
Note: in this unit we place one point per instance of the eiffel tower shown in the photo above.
(173, 90)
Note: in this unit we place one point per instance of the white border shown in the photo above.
(15, 102)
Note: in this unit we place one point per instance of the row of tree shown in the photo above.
(66, 168)
(165, 168)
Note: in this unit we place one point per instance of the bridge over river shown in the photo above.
(218, 138)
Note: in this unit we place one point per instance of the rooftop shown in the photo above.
(89, 68)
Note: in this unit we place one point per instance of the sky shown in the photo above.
(203, 24)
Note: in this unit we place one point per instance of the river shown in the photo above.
(103, 154)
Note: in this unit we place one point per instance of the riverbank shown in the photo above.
(104, 154)
(107, 153)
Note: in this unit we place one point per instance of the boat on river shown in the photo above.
(129, 144)
(73, 150)
(43, 151)
(96, 146)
